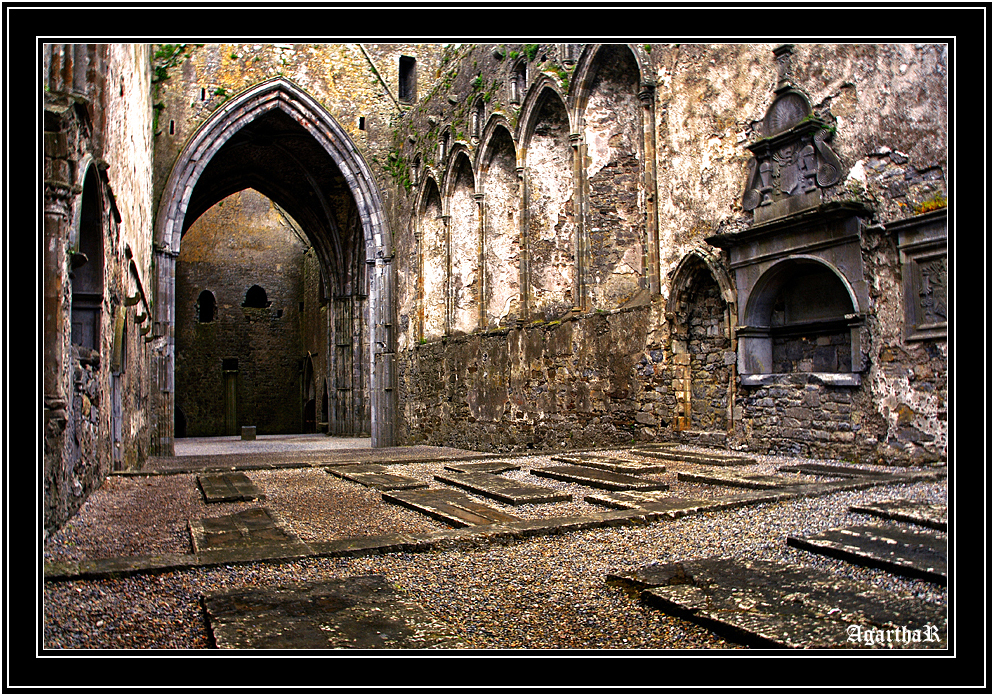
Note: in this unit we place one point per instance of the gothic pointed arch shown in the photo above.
(464, 242)
(501, 223)
(550, 244)
(286, 109)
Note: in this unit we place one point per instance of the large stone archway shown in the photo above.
(182, 202)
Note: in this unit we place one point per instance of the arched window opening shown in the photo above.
(88, 267)
(256, 297)
(206, 307)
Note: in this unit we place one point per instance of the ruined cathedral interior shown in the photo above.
(502, 250)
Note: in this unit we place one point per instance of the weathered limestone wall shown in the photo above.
(602, 197)
(243, 241)
(97, 268)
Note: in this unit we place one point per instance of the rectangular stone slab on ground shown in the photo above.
(374, 476)
(454, 508)
(619, 464)
(364, 612)
(254, 527)
(505, 490)
(481, 467)
(656, 501)
(674, 453)
(771, 604)
(228, 487)
(736, 479)
(917, 553)
(933, 515)
(832, 470)
(598, 478)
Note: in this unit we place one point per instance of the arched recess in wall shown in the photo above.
(464, 244)
(801, 316)
(611, 175)
(87, 263)
(549, 239)
(501, 228)
(433, 262)
(701, 311)
(276, 121)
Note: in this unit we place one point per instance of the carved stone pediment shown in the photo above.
(792, 162)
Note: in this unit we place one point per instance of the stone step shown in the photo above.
(454, 508)
(503, 489)
(375, 476)
(598, 478)
(932, 515)
(619, 464)
(916, 553)
(364, 612)
(767, 604)
(228, 487)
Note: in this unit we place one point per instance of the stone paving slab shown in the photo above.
(505, 490)
(933, 515)
(619, 464)
(736, 479)
(374, 476)
(482, 467)
(364, 612)
(916, 553)
(454, 508)
(228, 487)
(675, 453)
(833, 471)
(598, 478)
(768, 604)
(248, 529)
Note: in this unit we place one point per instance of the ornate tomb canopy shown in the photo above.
(792, 161)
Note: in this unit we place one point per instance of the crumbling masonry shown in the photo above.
(496, 247)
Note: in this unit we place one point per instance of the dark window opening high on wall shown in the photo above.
(408, 80)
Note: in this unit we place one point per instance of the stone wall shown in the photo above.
(241, 243)
(97, 260)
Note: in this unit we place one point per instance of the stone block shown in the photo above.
(248, 432)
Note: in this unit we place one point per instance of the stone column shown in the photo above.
(58, 198)
(582, 243)
(383, 357)
(163, 438)
(481, 276)
(647, 97)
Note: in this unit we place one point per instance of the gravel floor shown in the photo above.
(540, 593)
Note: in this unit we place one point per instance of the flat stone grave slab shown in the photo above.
(833, 471)
(481, 467)
(364, 612)
(228, 487)
(767, 604)
(505, 490)
(624, 466)
(736, 479)
(374, 476)
(598, 478)
(454, 508)
(247, 529)
(674, 453)
(932, 515)
(656, 501)
(916, 553)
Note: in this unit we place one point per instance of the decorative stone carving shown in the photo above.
(921, 241)
(792, 161)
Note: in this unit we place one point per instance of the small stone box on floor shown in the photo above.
(248, 432)
(228, 487)
(364, 612)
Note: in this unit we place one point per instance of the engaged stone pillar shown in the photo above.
(384, 365)
(57, 201)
